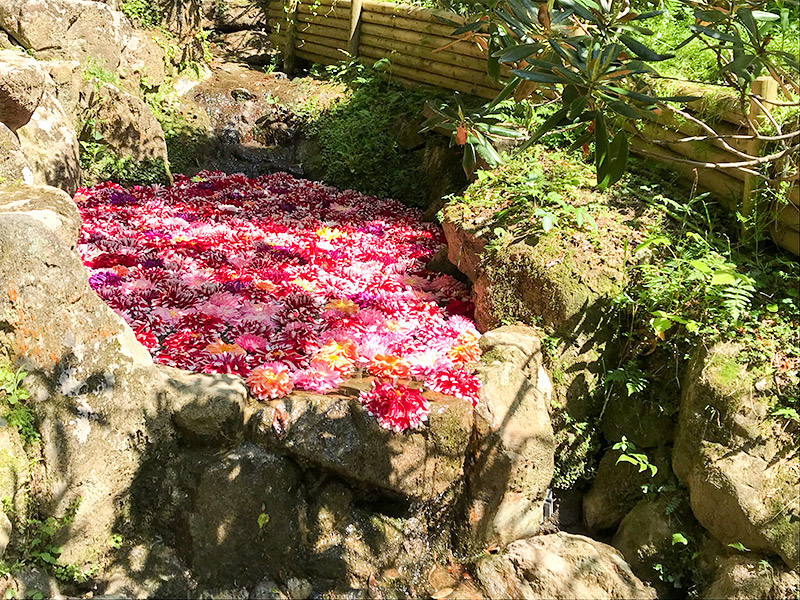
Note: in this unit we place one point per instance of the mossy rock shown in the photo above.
(740, 473)
(14, 468)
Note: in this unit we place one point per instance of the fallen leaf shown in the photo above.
(280, 419)
(442, 593)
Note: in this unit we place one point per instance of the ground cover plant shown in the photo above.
(289, 283)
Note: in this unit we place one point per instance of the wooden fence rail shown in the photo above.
(421, 49)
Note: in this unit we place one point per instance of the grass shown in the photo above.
(360, 135)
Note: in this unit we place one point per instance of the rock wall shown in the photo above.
(725, 472)
(308, 491)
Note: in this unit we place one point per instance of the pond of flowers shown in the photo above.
(286, 282)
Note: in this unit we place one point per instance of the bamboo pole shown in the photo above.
(401, 22)
(414, 12)
(355, 27)
(726, 188)
(786, 237)
(422, 39)
(322, 40)
(440, 81)
(708, 153)
(428, 66)
(322, 50)
(326, 11)
(766, 87)
(794, 195)
(291, 34)
(446, 57)
(319, 20)
(305, 29)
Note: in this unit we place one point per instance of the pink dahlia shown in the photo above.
(455, 382)
(270, 380)
(317, 378)
(397, 407)
(232, 363)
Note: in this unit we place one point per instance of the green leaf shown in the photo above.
(538, 76)
(551, 122)
(712, 16)
(649, 14)
(488, 153)
(739, 546)
(469, 160)
(263, 519)
(48, 558)
(659, 240)
(549, 221)
(723, 278)
(515, 53)
(701, 266)
(679, 538)
(660, 324)
(643, 51)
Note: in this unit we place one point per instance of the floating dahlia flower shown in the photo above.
(317, 378)
(270, 380)
(339, 356)
(455, 382)
(389, 366)
(465, 349)
(227, 362)
(397, 407)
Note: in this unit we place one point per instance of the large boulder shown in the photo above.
(79, 30)
(143, 62)
(22, 84)
(560, 565)
(336, 433)
(125, 124)
(66, 81)
(210, 410)
(230, 539)
(49, 143)
(51, 207)
(645, 539)
(748, 577)
(617, 487)
(14, 167)
(86, 375)
(350, 540)
(742, 483)
(511, 455)
(85, 31)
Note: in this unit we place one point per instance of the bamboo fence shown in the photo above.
(421, 50)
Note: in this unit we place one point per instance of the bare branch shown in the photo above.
(705, 127)
(732, 136)
(774, 102)
(741, 165)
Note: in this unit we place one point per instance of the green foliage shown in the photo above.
(357, 137)
(631, 376)
(691, 285)
(144, 13)
(577, 445)
(94, 71)
(477, 130)
(739, 546)
(33, 544)
(596, 59)
(630, 455)
(13, 404)
(100, 163)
